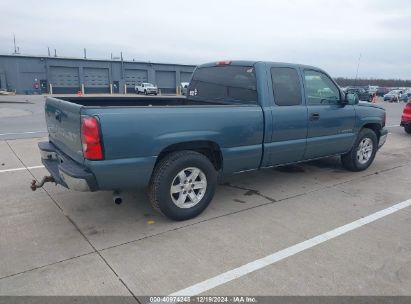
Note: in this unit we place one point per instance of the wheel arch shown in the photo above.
(375, 126)
(208, 148)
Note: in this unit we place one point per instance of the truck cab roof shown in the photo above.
(252, 63)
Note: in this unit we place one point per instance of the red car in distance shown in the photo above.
(406, 118)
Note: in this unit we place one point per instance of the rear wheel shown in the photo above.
(407, 128)
(362, 153)
(182, 185)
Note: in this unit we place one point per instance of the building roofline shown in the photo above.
(91, 59)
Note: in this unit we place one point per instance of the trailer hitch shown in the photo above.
(47, 179)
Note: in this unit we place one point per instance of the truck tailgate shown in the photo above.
(63, 123)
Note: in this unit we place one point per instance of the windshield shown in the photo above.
(232, 84)
(147, 84)
(394, 92)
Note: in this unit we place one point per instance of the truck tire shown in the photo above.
(182, 185)
(407, 129)
(363, 151)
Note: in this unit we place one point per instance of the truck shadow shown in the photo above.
(331, 163)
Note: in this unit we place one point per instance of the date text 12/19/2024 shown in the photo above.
(203, 299)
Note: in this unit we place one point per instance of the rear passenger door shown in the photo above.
(330, 123)
(289, 116)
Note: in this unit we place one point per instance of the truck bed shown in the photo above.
(136, 129)
(134, 101)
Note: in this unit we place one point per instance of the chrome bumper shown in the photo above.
(383, 138)
(65, 171)
(74, 183)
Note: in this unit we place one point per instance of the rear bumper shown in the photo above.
(65, 171)
(383, 137)
(405, 123)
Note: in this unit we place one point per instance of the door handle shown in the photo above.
(314, 116)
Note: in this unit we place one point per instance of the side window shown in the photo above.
(319, 88)
(286, 86)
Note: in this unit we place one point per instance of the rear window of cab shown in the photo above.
(230, 84)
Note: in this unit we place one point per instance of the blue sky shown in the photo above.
(329, 34)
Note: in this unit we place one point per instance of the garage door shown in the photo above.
(185, 76)
(96, 80)
(166, 81)
(64, 80)
(134, 77)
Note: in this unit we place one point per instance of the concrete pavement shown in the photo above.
(59, 242)
(55, 237)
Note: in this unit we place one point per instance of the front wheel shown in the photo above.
(362, 153)
(407, 128)
(183, 184)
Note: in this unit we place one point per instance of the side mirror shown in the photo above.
(351, 99)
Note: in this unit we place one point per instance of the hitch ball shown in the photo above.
(117, 199)
(46, 179)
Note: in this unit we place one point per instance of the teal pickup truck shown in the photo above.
(237, 116)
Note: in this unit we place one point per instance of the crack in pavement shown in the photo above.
(46, 265)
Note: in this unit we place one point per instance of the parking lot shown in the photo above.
(258, 237)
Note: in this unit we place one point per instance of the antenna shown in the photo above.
(16, 48)
(122, 65)
(14, 40)
(358, 67)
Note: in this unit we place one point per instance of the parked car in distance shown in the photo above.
(406, 96)
(372, 89)
(146, 88)
(381, 91)
(183, 87)
(238, 116)
(393, 96)
(362, 93)
(406, 118)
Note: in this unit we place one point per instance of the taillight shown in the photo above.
(90, 138)
(224, 62)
